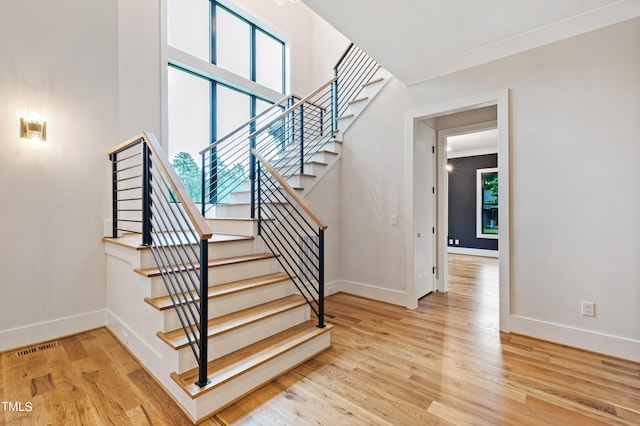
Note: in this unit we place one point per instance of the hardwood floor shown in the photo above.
(443, 363)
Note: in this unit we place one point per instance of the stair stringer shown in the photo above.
(371, 90)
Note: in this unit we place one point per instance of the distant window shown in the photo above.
(202, 109)
(487, 203)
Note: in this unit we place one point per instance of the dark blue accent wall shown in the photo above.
(462, 201)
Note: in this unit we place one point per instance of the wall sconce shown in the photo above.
(33, 129)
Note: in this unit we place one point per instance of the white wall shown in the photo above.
(140, 67)
(60, 59)
(575, 197)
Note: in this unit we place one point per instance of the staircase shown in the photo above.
(257, 257)
(249, 299)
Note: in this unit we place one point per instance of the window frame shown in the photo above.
(480, 204)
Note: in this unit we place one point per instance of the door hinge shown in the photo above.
(433, 149)
(433, 189)
(433, 230)
(433, 270)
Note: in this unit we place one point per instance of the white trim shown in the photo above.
(206, 69)
(608, 344)
(369, 291)
(479, 233)
(501, 99)
(473, 251)
(51, 330)
(473, 152)
(613, 13)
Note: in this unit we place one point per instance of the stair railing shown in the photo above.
(293, 232)
(287, 136)
(354, 68)
(151, 204)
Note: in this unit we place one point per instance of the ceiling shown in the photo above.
(476, 143)
(417, 40)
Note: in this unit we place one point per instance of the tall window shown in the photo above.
(202, 108)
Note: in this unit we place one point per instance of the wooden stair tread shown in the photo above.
(134, 241)
(369, 83)
(301, 175)
(316, 163)
(162, 303)
(177, 339)
(344, 117)
(228, 367)
(355, 101)
(213, 263)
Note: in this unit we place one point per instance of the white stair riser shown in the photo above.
(233, 340)
(223, 305)
(224, 274)
(216, 250)
(311, 148)
(246, 228)
(356, 108)
(233, 210)
(300, 181)
(216, 399)
(309, 169)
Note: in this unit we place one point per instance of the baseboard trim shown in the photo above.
(51, 330)
(606, 344)
(131, 340)
(368, 291)
(473, 251)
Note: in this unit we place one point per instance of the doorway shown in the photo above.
(467, 218)
(421, 125)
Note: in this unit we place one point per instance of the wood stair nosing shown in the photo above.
(371, 82)
(163, 303)
(316, 163)
(217, 238)
(344, 117)
(358, 100)
(299, 175)
(226, 323)
(233, 365)
(213, 263)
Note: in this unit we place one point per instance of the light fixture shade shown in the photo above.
(32, 129)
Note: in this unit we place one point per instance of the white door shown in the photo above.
(424, 168)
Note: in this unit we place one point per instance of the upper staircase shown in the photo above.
(220, 295)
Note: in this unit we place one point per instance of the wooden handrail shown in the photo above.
(292, 192)
(294, 107)
(242, 126)
(343, 55)
(199, 222)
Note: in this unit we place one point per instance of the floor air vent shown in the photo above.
(37, 348)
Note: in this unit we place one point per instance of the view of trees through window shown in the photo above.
(488, 203)
(202, 109)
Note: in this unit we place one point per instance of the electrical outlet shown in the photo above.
(394, 220)
(450, 241)
(588, 309)
(457, 242)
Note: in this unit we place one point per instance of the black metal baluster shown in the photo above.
(321, 323)
(301, 139)
(204, 313)
(146, 196)
(114, 196)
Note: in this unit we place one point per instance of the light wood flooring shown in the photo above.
(443, 363)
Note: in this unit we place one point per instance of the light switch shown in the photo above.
(394, 220)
